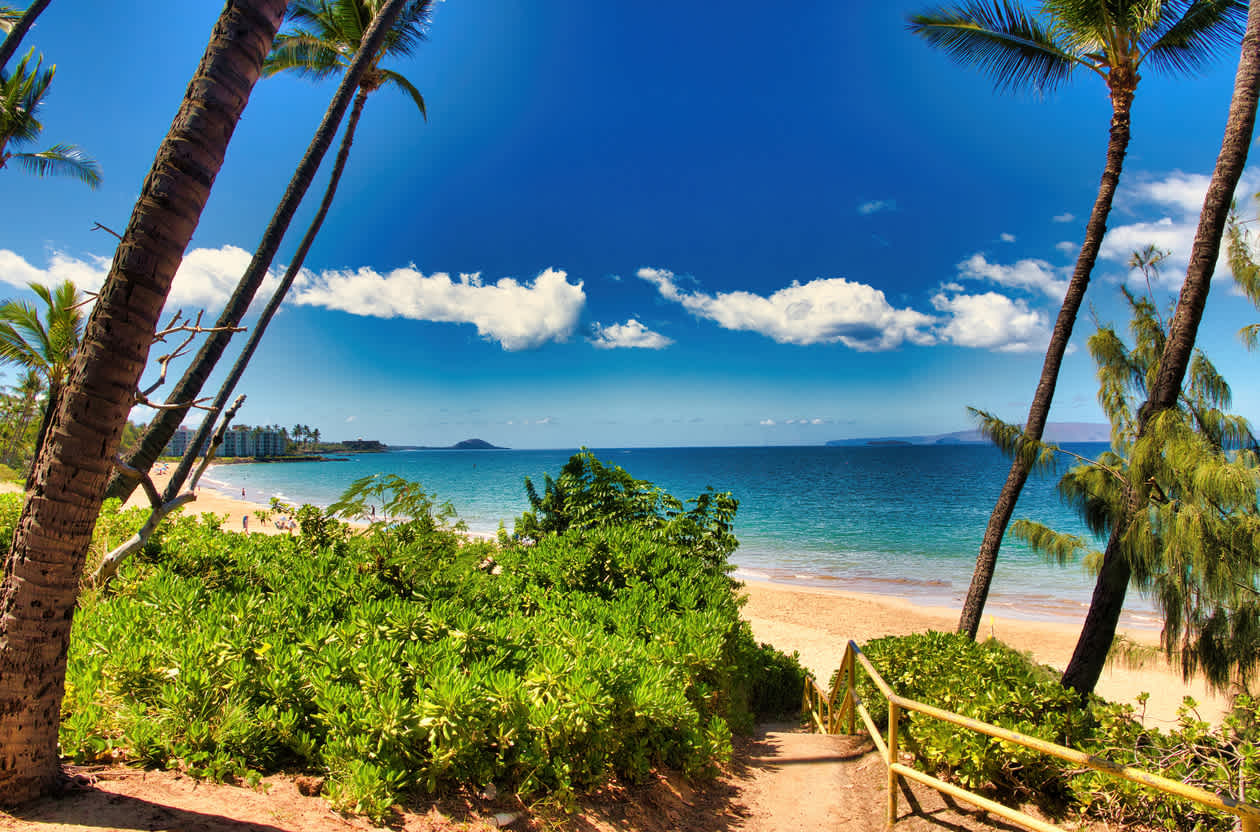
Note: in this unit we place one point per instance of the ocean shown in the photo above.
(893, 520)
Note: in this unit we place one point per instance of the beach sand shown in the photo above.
(817, 622)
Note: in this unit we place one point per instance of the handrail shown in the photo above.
(815, 699)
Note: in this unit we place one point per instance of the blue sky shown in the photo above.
(753, 226)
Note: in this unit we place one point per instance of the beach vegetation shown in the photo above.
(993, 683)
(409, 658)
(325, 39)
(1192, 546)
(1040, 51)
(43, 340)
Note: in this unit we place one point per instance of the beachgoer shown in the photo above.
(242, 493)
(245, 522)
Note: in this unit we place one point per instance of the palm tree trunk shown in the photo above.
(182, 470)
(1039, 412)
(1099, 629)
(164, 425)
(14, 38)
(44, 564)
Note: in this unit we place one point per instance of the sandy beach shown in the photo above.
(817, 622)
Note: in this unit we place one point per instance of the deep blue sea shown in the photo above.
(893, 520)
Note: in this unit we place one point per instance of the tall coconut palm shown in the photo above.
(21, 93)
(1090, 655)
(46, 342)
(327, 39)
(45, 561)
(1115, 40)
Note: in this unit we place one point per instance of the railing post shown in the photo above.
(850, 693)
(894, 715)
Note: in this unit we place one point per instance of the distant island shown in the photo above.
(1055, 432)
(466, 445)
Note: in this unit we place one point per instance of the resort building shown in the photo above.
(241, 440)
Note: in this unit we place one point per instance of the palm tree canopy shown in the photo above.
(21, 95)
(327, 33)
(1113, 38)
(43, 343)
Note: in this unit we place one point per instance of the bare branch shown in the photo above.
(110, 563)
(147, 402)
(97, 226)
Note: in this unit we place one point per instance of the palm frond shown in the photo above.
(1241, 262)
(390, 77)
(21, 93)
(61, 160)
(303, 53)
(1000, 39)
(410, 29)
(1205, 31)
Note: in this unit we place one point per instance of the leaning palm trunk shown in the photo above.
(164, 425)
(1095, 229)
(176, 482)
(1112, 585)
(44, 564)
(14, 38)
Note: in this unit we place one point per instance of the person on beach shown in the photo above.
(245, 522)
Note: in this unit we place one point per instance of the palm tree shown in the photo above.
(1115, 40)
(329, 38)
(21, 94)
(45, 561)
(44, 344)
(1090, 654)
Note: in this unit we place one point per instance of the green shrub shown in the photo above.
(408, 658)
(987, 681)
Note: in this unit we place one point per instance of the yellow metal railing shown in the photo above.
(827, 715)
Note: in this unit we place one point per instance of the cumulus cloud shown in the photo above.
(823, 311)
(630, 334)
(991, 321)
(1006, 238)
(518, 315)
(875, 206)
(1064, 217)
(1169, 208)
(1035, 275)
(1067, 247)
(766, 422)
(205, 278)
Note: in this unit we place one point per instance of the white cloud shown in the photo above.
(517, 315)
(204, 281)
(815, 421)
(875, 206)
(819, 312)
(1064, 217)
(991, 321)
(766, 422)
(1037, 275)
(1006, 238)
(630, 334)
(1067, 247)
(349, 419)
(1171, 205)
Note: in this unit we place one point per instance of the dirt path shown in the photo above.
(780, 780)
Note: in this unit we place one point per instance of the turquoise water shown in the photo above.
(901, 520)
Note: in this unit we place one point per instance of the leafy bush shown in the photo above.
(407, 657)
(986, 681)
(992, 683)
